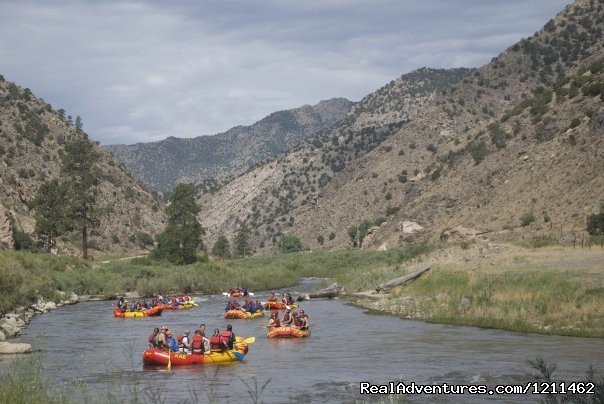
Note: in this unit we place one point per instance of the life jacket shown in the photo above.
(274, 322)
(197, 345)
(286, 317)
(298, 322)
(179, 339)
(226, 337)
(215, 342)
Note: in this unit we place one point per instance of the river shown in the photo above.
(86, 345)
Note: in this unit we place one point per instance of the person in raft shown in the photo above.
(153, 338)
(215, 344)
(197, 345)
(305, 323)
(171, 342)
(272, 299)
(288, 318)
(161, 338)
(227, 337)
(274, 322)
(184, 344)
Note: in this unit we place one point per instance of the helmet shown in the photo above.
(301, 311)
(164, 328)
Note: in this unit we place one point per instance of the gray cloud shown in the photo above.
(142, 71)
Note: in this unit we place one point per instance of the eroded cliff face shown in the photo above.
(6, 230)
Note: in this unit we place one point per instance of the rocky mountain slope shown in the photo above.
(211, 160)
(266, 196)
(514, 148)
(32, 134)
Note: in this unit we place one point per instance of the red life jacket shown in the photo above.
(275, 322)
(298, 322)
(225, 338)
(179, 339)
(197, 345)
(215, 342)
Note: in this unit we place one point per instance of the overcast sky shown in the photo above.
(143, 71)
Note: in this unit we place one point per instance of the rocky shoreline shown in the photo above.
(13, 323)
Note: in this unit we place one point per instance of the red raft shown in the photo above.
(154, 311)
(164, 358)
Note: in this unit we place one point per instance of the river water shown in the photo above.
(84, 344)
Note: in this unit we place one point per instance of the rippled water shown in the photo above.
(85, 343)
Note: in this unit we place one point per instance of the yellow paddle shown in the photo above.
(169, 360)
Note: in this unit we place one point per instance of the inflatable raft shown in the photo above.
(160, 357)
(182, 306)
(278, 305)
(244, 315)
(287, 332)
(154, 311)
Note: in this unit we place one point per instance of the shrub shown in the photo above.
(320, 239)
(575, 122)
(289, 244)
(595, 224)
(527, 219)
(332, 235)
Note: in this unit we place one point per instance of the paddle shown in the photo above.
(169, 360)
(249, 340)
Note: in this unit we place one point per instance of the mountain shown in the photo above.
(211, 160)
(514, 148)
(266, 196)
(32, 135)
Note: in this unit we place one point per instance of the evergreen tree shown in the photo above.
(221, 248)
(181, 239)
(79, 166)
(78, 124)
(242, 247)
(51, 219)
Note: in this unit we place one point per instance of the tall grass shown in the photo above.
(23, 384)
(545, 301)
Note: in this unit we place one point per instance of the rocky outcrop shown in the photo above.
(461, 233)
(13, 323)
(6, 230)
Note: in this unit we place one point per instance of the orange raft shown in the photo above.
(154, 311)
(244, 315)
(278, 305)
(160, 357)
(287, 332)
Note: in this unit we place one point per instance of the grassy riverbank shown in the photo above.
(547, 290)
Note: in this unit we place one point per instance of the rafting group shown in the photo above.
(221, 346)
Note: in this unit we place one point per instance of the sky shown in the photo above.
(140, 71)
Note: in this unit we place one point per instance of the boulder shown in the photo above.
(2, 336)
(9, 330)
(16, 348)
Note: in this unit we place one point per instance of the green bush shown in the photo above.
(527, 219)
(289, 244)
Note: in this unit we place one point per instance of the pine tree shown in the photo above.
(221, 248)
(51, 218)
(79, 166)
(181, 239)
(242, 247)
